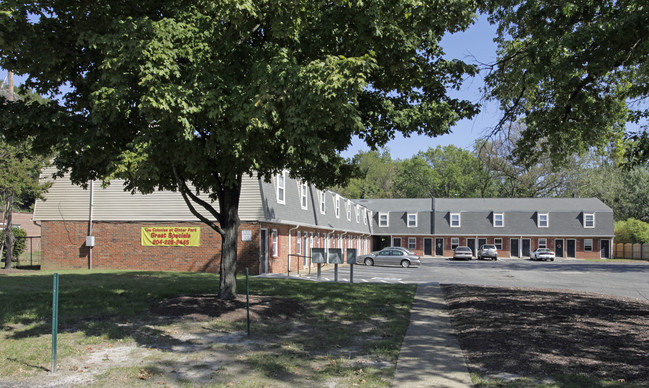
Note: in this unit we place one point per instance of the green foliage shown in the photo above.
(632, 231)
(375, 177)
(443, 172)
(573, 73)
(19, 242)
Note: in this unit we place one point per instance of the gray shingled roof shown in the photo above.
(520, 204)
(400, 204)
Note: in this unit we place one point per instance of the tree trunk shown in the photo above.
(229, 209)
(8, 234)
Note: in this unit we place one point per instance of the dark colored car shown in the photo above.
(391, 256)
(488, 250)
(462, 253)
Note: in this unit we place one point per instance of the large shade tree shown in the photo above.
(191, 96)
(576, 73)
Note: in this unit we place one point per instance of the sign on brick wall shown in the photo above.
(170, 236)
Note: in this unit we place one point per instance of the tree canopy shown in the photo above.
(171, 95)
(575, 73)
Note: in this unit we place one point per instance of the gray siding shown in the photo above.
(66, 201)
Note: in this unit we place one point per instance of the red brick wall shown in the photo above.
(118, 246)
(534, 244)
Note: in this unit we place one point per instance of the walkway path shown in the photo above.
(430, 355)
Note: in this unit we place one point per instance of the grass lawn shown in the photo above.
(345, 333)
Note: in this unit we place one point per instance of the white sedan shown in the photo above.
(542, 254)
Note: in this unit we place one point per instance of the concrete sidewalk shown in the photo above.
(430, 355)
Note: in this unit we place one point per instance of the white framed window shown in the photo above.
(274, 242)
(349, 210)
(299, 242)
(455, 220)
(499, 220)
(543, 243)
(396, 241)
(358, 213)
(365, 216)
(412, 220)
(455, 242)
(412, 242)
(589, 220)
(384, 220)
(337, 203)
(281, 188)
(498, 242)
(543, 220)
(304, 196)
(588, 245)
(323, 202)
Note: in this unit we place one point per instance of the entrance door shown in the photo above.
(428, 247)
(481, 242)
(526, 247)
(470, 242)
(439, 247)
(263, 251)
(558, 248)
(604, 250)
(396, 242)
(571, 248)
(513, 247)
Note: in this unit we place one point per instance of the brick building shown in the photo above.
(283, 219)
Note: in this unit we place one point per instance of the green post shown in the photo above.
(248, 302)
(55, 319)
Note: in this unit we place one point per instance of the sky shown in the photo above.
(475, 44)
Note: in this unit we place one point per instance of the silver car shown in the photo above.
(392, 256)
(488, 250)
(463, 253)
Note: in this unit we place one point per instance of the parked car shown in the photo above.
(391, 256)
(544, 254)
(488, 250)
(462, 252)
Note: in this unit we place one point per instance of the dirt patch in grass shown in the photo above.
(206, 307)
(540, 332)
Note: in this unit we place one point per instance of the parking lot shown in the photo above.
(619, 279)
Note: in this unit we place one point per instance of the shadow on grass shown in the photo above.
(119, 305)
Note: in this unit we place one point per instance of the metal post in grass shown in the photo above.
(55, 318)
(248, 302)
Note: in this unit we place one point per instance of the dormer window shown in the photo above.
(543, 220)
(455, 220)
(281, 188)
(412, 220)
(589, 220)
(303, 196)
(337, 206)
(499, 220)
(323, 203)
(384, 220)
(358, 214)
(349, 210)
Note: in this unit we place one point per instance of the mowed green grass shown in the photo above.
(103, 307)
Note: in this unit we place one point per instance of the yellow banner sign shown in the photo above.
(171, 236)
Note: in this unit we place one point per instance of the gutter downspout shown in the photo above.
(290, 252)
(90, 239)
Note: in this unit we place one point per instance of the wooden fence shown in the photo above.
(631, 251)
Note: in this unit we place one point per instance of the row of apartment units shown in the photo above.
(283, 219)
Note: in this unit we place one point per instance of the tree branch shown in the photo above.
(187, 194)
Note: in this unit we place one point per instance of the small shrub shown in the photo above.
(19, 244)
